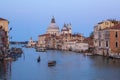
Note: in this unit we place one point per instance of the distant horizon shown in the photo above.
(31, 18)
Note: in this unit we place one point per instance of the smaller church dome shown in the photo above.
(65, 28)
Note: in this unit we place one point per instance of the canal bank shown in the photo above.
(69, 66)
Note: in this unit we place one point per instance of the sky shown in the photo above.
(30, 18)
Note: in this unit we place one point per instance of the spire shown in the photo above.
(53, 20)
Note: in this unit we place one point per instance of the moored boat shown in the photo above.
(40, 49)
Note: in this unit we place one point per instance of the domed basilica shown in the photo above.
(53, 28)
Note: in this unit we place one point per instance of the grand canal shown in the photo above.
(69, 66)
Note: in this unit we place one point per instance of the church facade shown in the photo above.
(54, 38)
(53, 28)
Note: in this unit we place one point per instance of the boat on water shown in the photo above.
(51, 63)
(40, 49)
(38, 60)
(88, 54)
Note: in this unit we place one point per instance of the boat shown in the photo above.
(88, 54)
(51, 63)
(38, 60)
(40, 49)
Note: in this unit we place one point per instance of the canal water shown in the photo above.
(69, 66)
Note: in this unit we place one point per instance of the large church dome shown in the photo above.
(53, 28)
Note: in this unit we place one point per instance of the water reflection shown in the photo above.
(6, 67)
(69, 66)
(5, 70)
(105, 62)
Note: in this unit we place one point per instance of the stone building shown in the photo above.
(67, 29)
(42, 40)
(113, 39)
(104, 36)
(31, 43)
(4, 37)
(81, 46)
(54, 39)
(53, 29)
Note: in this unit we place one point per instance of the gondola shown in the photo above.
(38, 60)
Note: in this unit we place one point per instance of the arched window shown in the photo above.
(116, 44)
(116, 35)
(106, 43)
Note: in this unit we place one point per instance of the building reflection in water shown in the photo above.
(5, 70)
(100, 61)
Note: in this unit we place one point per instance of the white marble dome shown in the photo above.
(53, 28)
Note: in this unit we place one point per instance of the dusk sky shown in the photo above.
(30, 18)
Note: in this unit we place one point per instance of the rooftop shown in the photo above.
(116, 27)
(1, 19)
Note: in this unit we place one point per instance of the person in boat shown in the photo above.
(38, 60)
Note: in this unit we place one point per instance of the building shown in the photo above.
(75, 45)
(4, 37)
(105, 24)
(90, 41)
(42, 40)
(106, 38)
(99, 27)
(112, 37)
(54, 39)
(53, 29)
(81, 46)
(31, 43)
(69, 45)
(67, 29)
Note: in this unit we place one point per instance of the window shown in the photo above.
(55, 33)
(106, 43)
(116, 35)
(99, 44)
(99, 27)
(116, 44)
(0, 27)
